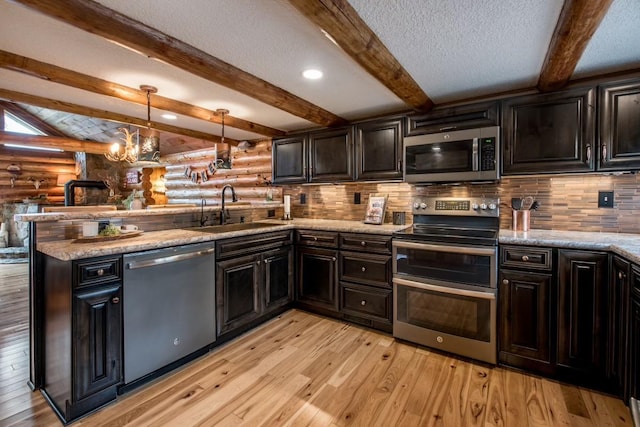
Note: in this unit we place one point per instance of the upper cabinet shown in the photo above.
(549, 133)
(455, 118)
(620, 126)
(366, 151)
(379, 149)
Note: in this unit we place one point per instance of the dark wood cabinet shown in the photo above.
(460, 117)
(582, 312)
(254, 278)
(618, 304)
(82, 333)
(632, 371)
(318, 278)
(379, 149)
(289, 159)
(525, 337)
(331, 155)
(549, 133)
(619, 110)
(97, 326)
(237, 292)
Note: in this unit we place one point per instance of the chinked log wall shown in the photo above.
(44, 167)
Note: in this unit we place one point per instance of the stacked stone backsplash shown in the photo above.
(17, 232)
(567, 202)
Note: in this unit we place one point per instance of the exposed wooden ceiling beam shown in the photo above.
(53, 104)
(578, 20)
(31, 119)
(340, 20)
(77, 80)
(62, 143)
(98, 19)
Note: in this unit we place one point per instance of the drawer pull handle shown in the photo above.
(115, 300)
(100, 272)
(333, 259)
(621, 275)
(505, 281)
(315, 239)
(364, 269)
(525, 258)
(363, 243)
(363, 302)
(258, 262)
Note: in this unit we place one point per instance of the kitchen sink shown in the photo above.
(232, 227)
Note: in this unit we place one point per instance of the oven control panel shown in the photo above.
(489, 207)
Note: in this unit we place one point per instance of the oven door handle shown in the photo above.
(445, 248)
(445, 290)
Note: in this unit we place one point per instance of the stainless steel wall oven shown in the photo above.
(445, 276)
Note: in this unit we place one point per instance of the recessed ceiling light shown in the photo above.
(312, 74)
(169, 116)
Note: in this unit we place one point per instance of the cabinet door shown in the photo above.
(331, 155)
(318, 277)
(97, 325)
(525, 313)
(549, 133)
(619, 126)
(454, 118)
(237, 292)
(618, 303)
(278, 277)
(632, 371)
(289, 160)
(379, 150)
(582, 310)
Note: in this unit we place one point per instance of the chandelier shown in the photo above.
(146, 150)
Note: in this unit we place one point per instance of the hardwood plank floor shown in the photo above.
(301, 369)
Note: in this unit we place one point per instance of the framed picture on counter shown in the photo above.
(376, 208)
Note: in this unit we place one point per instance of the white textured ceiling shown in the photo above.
(454, 49)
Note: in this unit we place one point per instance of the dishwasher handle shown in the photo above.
(168, 259)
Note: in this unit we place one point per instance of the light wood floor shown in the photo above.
(302, 369)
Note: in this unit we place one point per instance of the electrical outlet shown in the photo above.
(605, 199)
(356, 198)
(271, 213)
(303, 199)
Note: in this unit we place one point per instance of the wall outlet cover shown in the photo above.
(356, 198)
(303, 199)
(605, 199)
(271, 213)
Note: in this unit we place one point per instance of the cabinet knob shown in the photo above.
(525, 258)
(333, 259)
(505, 281)
(100, 272)
(364, 269)
(315, 239)
(363, 243)
(621, 275)
(588, 152)
(267, 261)
(258, 262)
(363, 302)
(115, 300)
(604, 152)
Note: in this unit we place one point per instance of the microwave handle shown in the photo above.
(475, 156)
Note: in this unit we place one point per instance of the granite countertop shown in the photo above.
(623, 244)
(62, 216)
(67, 250)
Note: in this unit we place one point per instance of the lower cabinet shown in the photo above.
(525, 338)
(82, 333)
(632, 371)
(618, 322)
(318, 278)
(251, 286)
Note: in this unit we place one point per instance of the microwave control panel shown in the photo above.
(487, 154)
(456, 206)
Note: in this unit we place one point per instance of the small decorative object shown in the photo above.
(287, 208)
(194, 177)
(203, 176)
(133, 177)
(187, 171)
(15, 171)
(376, 209)
(211, 168)
(269, 195)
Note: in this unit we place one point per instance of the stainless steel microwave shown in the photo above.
(460, 156)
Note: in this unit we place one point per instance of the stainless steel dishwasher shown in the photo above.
(169, 306)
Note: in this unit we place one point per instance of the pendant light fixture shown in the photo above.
(149, 137)
(130, 153)
(222, 112)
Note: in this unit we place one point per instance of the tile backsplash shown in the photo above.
(566, 202)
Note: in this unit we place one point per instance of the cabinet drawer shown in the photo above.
(365, 243)
(327, 239)
(364, 301)
(367, 269)
(97, 270)
(526, 257)
(254, 243)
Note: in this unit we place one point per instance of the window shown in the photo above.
(14, 124)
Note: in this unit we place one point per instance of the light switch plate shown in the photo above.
(605, 199)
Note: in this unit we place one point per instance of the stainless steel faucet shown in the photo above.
(223, 214)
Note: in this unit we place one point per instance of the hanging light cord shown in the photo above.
(148, 109)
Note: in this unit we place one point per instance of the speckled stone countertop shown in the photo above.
(62, 216)
(67, 250)
(623, 244)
